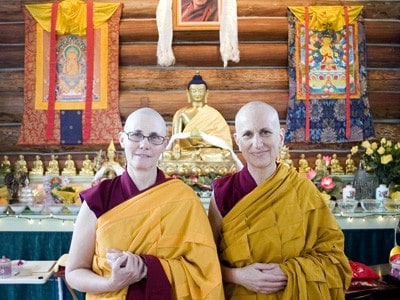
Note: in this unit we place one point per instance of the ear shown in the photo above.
(236, 138)
(121, 137)
(282, 136)
(188, 96)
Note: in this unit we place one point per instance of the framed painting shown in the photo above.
(196, 14)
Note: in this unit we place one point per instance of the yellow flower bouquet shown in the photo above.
(382, 159)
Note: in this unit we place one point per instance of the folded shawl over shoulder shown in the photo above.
(167, 222)
(284, 220)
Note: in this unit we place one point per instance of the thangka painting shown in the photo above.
(328, 101)
(71, 73)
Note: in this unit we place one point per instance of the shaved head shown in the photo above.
(147, 113)
(256, 107)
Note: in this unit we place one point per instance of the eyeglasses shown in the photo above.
(137, 137)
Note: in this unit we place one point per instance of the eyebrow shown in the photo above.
(141, 132)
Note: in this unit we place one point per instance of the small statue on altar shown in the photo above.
(110, 168)
(350, 165)
(26, 193)
(336, 168)
(320, 165)
(5, 165)
(13, 181)
(98, 160)
(69, 167)
(21, 165)
(87, 167)
(53, 168)
(201, 136)
(303, 164)
(284, 157)
(37, 167)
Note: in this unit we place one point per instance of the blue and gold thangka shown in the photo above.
(328, 100)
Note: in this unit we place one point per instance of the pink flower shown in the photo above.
(193, 179)
(327, 182)
(311, 174)
(327, 160)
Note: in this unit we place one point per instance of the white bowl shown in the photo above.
(347, 206)
(36, 208)
(73, 208)
(55, 208)
(3, 208)
(18, 208)
(371, 205)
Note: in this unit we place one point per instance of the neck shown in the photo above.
(197, 104)
(261, 174)
(143, 178)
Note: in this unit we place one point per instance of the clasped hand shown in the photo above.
(262, 278)
(127, 268)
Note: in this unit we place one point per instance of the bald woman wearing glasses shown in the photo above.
(142, 235)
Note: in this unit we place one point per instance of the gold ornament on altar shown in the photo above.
(336, 168)
(37, 169)
(53, 168)
(303, 164)
(69, 167)
(110, 167)
(201, 141)
(87, 167)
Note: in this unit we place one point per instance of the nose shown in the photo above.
(145, 142)
(258, 142)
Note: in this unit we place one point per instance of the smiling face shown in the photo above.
(258, 135)
(143, 155)
(198, 3)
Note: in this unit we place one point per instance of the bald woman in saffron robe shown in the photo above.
(276, 237)
(142, 235)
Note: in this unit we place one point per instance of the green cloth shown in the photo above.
(34, 246)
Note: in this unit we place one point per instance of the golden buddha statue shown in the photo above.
(303, 164)
(320, 165)
(37, 167)
(69, 167)
(336, 168)
(110, 168)
(200, 137)
(350, 165)
(87, 167)
(5, 165)
(53, 168)
(284, 157)
(21, 165)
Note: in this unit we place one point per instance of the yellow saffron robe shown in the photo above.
(169, 222)
(284, 220)
(210, 121)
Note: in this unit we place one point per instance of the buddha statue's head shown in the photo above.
(197, 90)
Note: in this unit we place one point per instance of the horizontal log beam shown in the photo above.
(227, 102)
(261, 29)
(200, 55)
(11, 11)
(170, 79)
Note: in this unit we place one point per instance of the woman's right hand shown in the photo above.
(127, 268)
(261, 278)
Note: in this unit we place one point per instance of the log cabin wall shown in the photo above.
(261, 74)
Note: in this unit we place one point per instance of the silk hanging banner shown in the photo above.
(328, 99)
(71, 73)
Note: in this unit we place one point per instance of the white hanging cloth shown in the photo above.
(228, 33)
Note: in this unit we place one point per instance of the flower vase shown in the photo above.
(382, 192)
